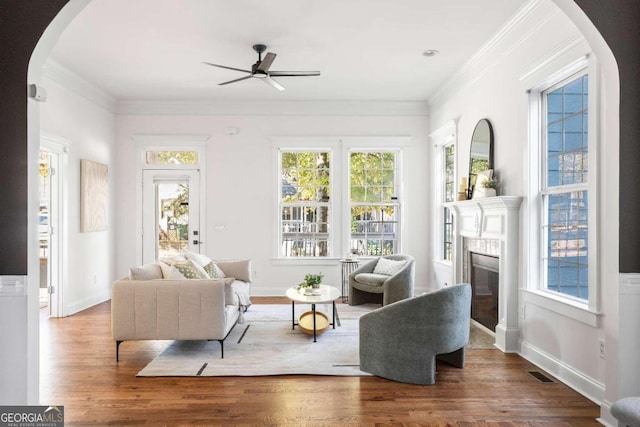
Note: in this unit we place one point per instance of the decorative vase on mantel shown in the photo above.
(489, 192)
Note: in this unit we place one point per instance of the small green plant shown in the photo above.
(312, 280)
(491, 183)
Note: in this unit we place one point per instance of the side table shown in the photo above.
(348, 267)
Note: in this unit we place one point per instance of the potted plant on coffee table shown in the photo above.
(311, 281)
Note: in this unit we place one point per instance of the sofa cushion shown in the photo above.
(145, 272)
(199, 259)
(214, 271)
(170, 272)
(240, 269)
(173, 260)
(389, 266)
(371, 279)
(189, 270)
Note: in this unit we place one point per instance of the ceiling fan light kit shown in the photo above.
(261, 69)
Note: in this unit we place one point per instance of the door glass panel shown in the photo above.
(172, 198)
(43, 226)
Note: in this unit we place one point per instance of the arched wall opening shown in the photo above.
(73, 8)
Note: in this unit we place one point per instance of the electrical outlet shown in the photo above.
(602, 348)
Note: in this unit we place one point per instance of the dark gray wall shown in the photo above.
(618, 22)
(23, 21)
(21, 25)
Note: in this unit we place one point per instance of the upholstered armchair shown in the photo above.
(627, 411)
(382, 280)
(401, 341)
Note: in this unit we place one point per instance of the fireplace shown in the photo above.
(484, 276)
(486, 254)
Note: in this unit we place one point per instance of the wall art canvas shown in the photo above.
(94, 186)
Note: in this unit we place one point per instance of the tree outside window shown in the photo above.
(374, 206)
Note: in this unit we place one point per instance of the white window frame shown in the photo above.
(443, 137)
(329, 204)
(397, 204)
(536, 291)
(340, 214)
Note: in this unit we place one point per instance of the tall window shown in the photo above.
(374, 205)
(565, 182)
(305, 203)
(449, 196)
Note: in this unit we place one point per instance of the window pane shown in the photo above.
(374, 208)
(305, 209)
(568, 243)
(305, 176)
(172, 157)
(449, 196)
(567, 133)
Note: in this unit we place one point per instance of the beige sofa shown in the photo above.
(173, 310)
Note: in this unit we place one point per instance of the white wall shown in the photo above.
(77, 115)
(240, 182)
(494, 86)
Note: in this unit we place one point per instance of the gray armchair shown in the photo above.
(627, 411)
(402, 340)
(366, 286)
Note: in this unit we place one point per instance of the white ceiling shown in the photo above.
(366, 50)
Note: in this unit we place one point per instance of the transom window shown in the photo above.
(565, 192)
(374, 206)
(305, 203)
(169, 158)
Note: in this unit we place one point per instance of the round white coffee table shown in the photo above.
(327, 294)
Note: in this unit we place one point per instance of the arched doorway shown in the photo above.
(68, 13)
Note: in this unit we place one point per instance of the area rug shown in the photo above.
(266, 344)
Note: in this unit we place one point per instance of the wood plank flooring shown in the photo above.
(79, 371)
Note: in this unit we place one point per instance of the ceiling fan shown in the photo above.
(260, 69)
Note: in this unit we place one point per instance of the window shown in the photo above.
(565, 190)
(449, 192)
(374, 206)
(305, 203)
(158, 157)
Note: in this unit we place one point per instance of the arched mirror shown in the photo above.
(481, 151)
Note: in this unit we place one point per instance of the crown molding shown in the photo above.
(71, 81)
(264, 108)
(522, 25)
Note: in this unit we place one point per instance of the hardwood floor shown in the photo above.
(79, 371)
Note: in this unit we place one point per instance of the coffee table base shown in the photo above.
(314, 316)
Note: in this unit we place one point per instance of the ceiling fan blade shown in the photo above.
(273, 83)
(228, 68)
(294, 73)
(236, 80)
(266, 62)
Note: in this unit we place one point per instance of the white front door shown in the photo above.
(170, 213)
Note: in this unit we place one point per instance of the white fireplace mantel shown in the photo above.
(495, 218)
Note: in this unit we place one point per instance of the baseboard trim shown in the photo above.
(86, 303)
(588, 387)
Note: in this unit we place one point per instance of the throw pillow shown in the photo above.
(170, 272)
(199, 259)
(388, 267)
(145, 272)
(173, 260)
(189, 271)
(214, 271)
